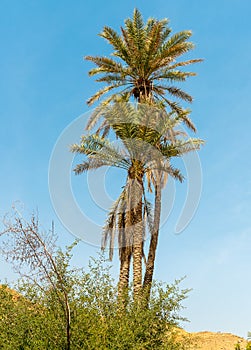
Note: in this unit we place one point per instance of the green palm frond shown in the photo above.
(139, 32)
(116, 41)
(151, 22)
(130, 47)
(170, 150)
(100, 152)
(95, 116)
(168, 54)
(91, 164)
(167, 168)
(184, 115)
(104, 64)
(181, 112)
(191, 144)
(173, 90)
(112, 78)
(173, 172)
(166, 31)
(178, 38)
(172, 75)
(99, 111)
(185, 63)
(180, 147)
(103, 91)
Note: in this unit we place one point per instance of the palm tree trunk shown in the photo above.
(148, 278)
(137, 232)
(137, 261)
(132, 238)
(123, 285)
(125, 254)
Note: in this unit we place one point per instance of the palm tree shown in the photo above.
(147, 150)
(119, 222)
(145, 65)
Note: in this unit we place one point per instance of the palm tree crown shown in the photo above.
(149, 139)
(146, 65)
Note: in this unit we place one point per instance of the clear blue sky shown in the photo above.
(44, 86)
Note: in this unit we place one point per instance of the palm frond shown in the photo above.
(88, 165)
(184, 115)
(139, 32)
(185, 63)
(101, 92)
(104, 64)
(191, 144)
(170, 170)
(180, 147)
(112, 78)
(172, 75)
(115, 40)
(178, 38)
(168, 54)
(175, 91)
(165, 30)
(112, 225)
(100, 152)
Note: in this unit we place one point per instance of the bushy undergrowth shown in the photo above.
(34, 318)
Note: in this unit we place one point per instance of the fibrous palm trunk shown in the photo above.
(125, 253)
(137, 234)
(134, 212)
(124, 273)
(148, 278)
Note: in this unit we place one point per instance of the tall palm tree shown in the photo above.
(144, 66)
(119, 222)
(147, 149)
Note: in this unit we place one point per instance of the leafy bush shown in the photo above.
(33, 318)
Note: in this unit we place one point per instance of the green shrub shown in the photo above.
(34, 319)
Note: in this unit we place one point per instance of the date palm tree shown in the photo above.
(146, 149)
(145, 65)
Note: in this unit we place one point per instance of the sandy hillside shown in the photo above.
(216, 341)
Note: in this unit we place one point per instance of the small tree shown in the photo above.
(34, 255)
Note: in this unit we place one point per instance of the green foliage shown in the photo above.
(33, 318)
(248, 347)
(143, 63)
(237, 347)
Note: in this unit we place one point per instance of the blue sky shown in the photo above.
(43, 88)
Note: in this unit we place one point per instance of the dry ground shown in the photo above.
(215, 341)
